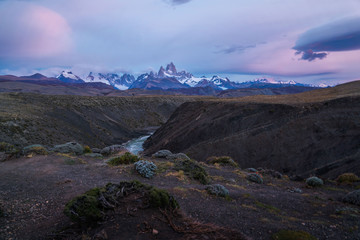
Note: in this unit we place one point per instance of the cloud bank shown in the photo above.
(342, 35)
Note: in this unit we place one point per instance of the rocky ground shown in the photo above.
(35, 188)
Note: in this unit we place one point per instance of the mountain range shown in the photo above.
(170, 78)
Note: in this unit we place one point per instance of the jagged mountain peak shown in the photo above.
(161, 72)
(170, 68)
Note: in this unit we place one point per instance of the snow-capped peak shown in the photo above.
(68, 74)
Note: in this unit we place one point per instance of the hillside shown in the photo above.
(300, 134)
(27, 118)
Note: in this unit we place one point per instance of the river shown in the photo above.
(135, 145)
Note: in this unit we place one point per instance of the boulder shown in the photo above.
(96, 150)
(106, 151)
(70, 147)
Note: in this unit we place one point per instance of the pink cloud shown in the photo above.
(33, 32)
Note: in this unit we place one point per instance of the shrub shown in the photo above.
(347, 178)
(87, 149)
(251, 170)
(292, 235)
(146, 169)
(223, 161)
(35, 149)
(70, 147)
(161, 154)
(254, 177)
(8, 148)
(193, 170)
(177, 156)
(89, 208)
(86, 208)
(126, 158)
(352, 197)
(314, 182)
(218, 190)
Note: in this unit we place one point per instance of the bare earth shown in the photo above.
(33, 192)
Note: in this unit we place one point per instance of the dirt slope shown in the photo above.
(298, 138)
(96, 121)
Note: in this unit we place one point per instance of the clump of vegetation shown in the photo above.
(314, 182)
(161, 154)
(86, 209)
(91, 207)
(218, 190)
(70, 147)
(177, 156)
(146, 169)
(87, 149)
(352, 197)
(347, 178)
(254, 177)
(126, 158)
(223, 161)
(193, 170)
(292, 235)
(35, 149)
(8, 149)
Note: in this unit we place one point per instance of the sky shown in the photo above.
(302, 40)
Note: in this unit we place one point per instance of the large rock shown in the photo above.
(106, 151)
(70, 147)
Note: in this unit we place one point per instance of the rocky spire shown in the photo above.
(161, 73)
(170, 68)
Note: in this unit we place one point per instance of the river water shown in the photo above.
(135, 145)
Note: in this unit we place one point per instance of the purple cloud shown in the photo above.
(177, 2)
(310, 55)
(343, 35)
(238, 48)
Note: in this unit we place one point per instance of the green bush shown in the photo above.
(292, 235)
(8, 148)
(223, 161)
(352, 197)
(217, 190)
(90, 208)
(126, 158)
(193, 170)
(314, 182)
(347, 178)
(87, 149)
(86, 208)
(35, 149)
(254, 177)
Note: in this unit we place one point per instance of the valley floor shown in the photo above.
(34, 191)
